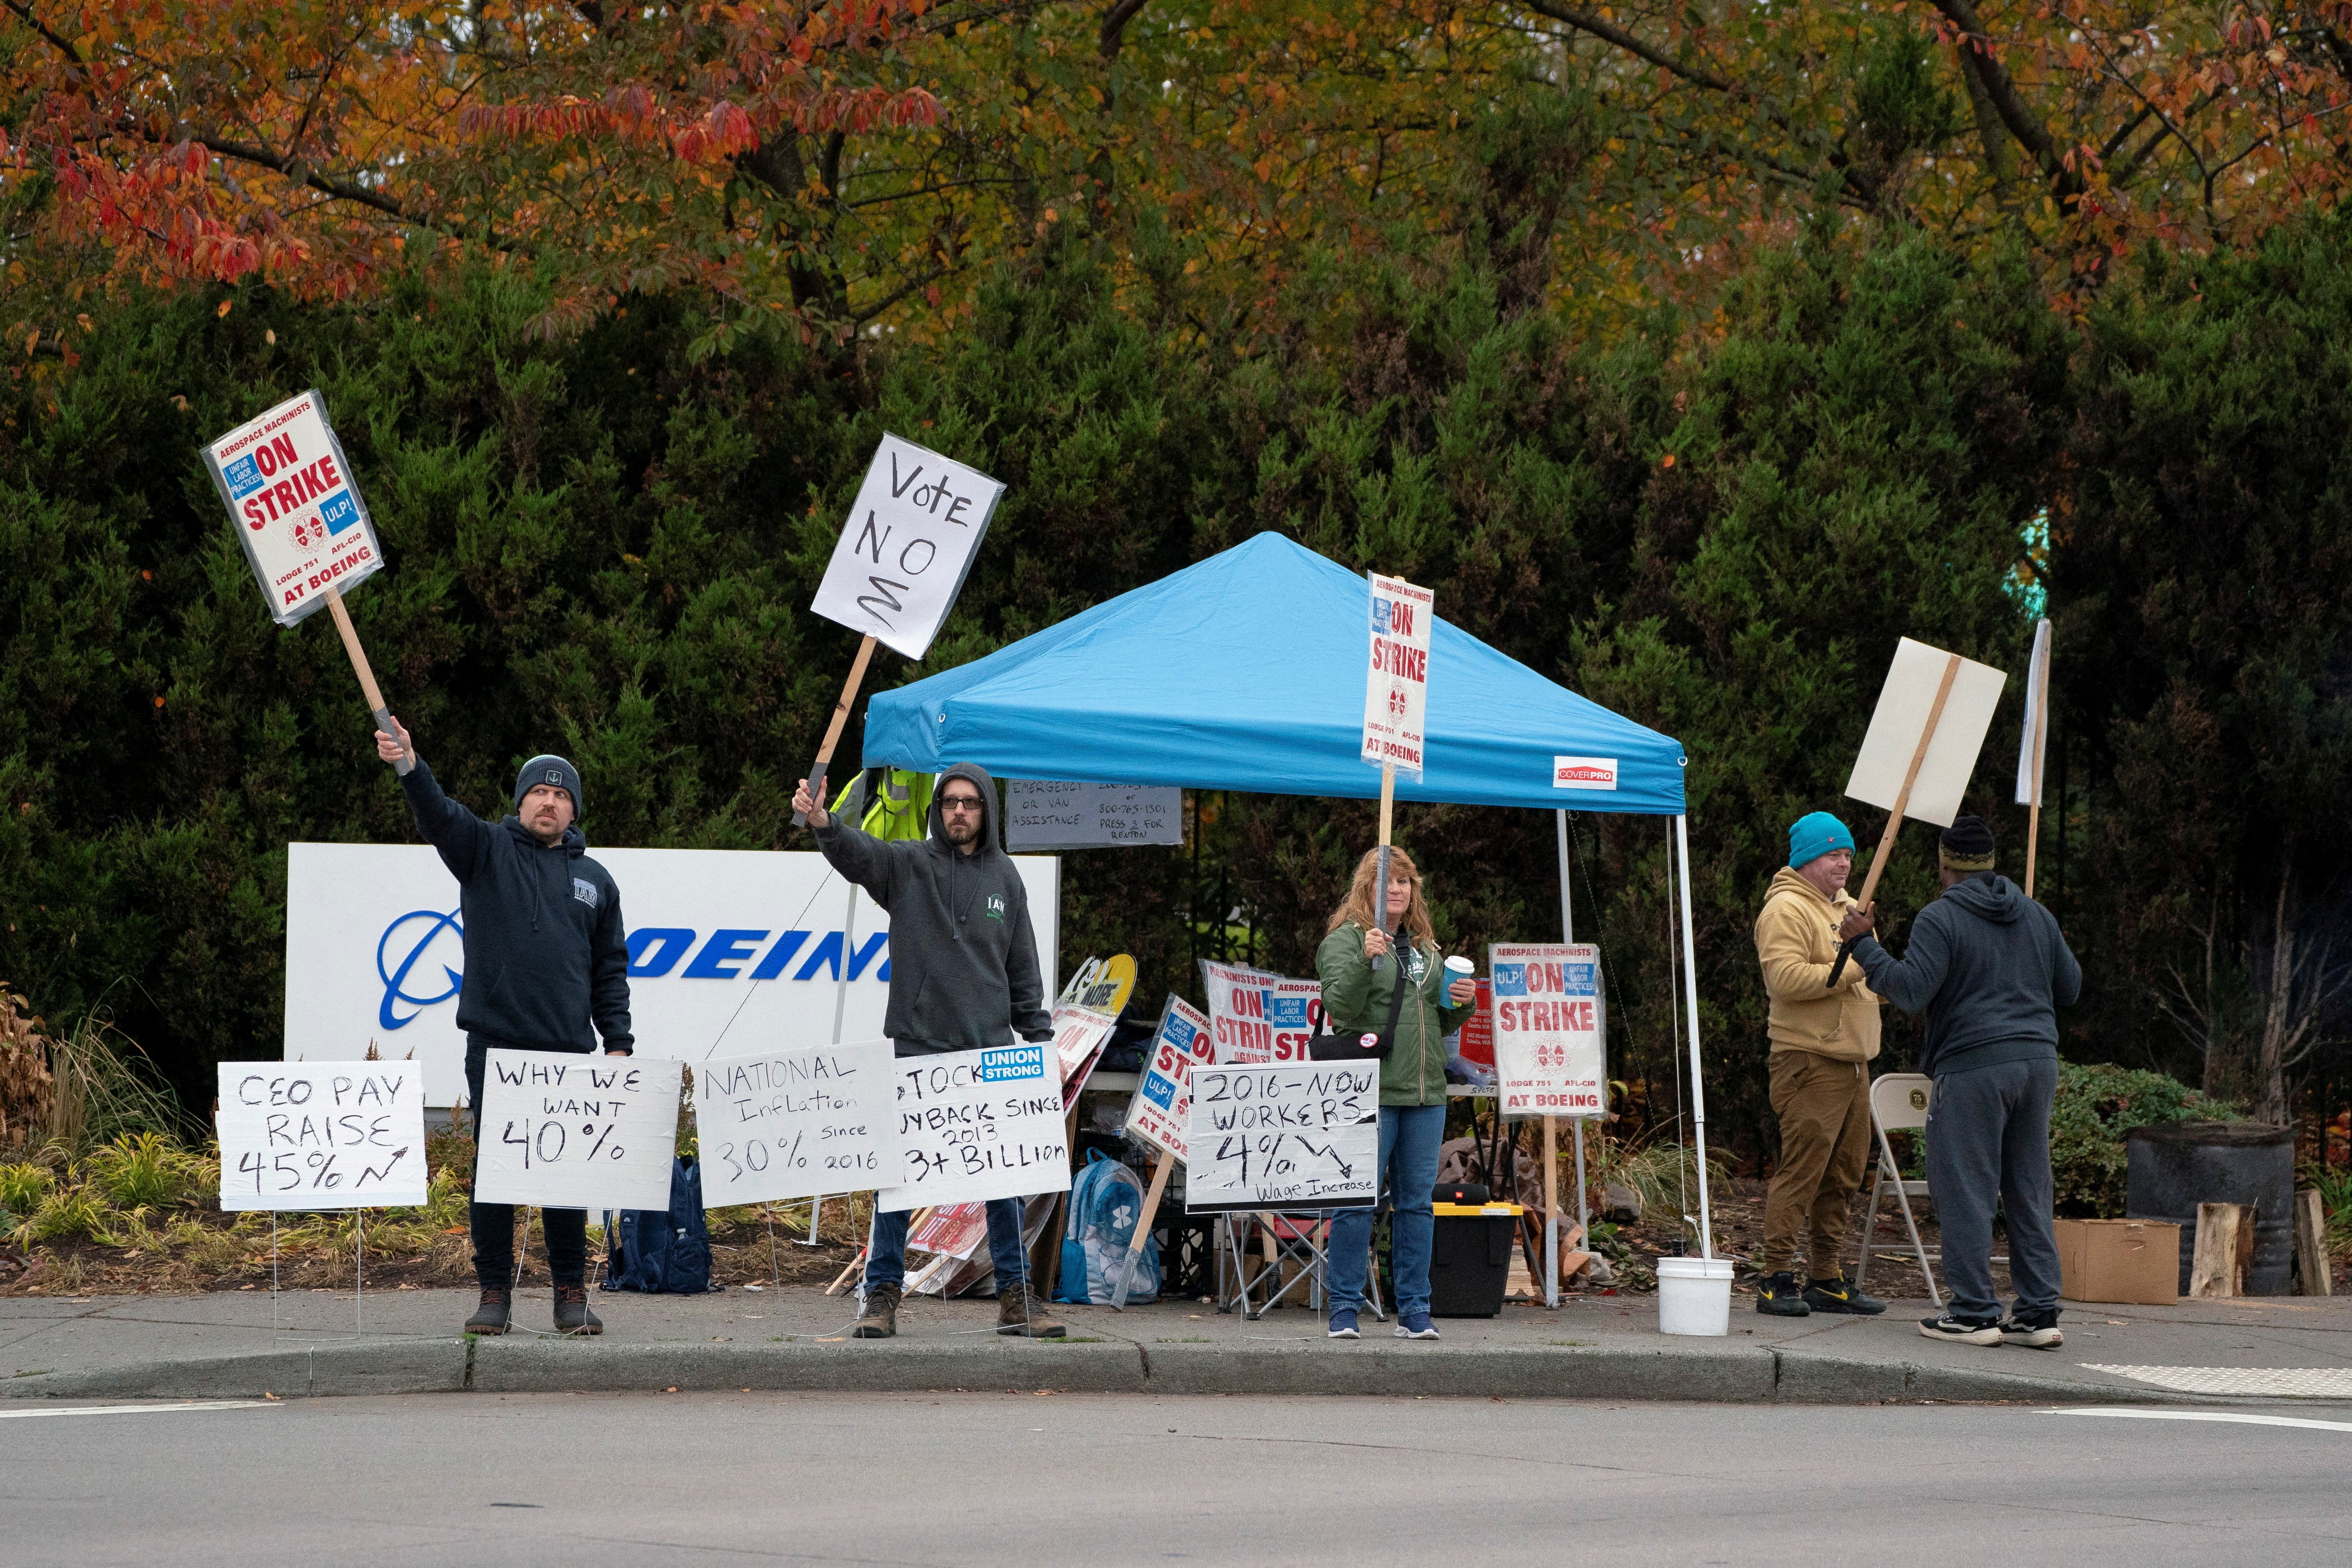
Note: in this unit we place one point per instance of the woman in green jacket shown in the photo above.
(1359, 964)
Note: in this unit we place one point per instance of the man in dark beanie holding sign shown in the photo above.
(1989, 969)
(547, 969)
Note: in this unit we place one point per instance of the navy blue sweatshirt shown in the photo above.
(546, 953)
(1989, 967)
(964, 958)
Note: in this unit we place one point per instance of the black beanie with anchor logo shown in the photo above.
(550, 769)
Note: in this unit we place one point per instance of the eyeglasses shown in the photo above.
(959, 803)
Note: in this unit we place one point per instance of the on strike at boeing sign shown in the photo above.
(321, 1135)
(731, 952)
(975, 1125)
(1164, 1094)
(288, 486)
(1396, 686)
(1549, 1056)
(576, 1131)
(908, 544)
(795, 1124)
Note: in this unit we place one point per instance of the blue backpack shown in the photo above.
(665, 1253)
(1105, 1204)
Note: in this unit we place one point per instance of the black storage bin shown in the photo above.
(2174, 1166)
(1470, 1259)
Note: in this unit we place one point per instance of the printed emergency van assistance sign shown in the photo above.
(288, 488)
(1396, 686)
(1548, 1060)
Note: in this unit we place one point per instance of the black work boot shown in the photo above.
(490, 1317)
(571, 1313)
(1018, 1311)
(1777, 1296)
(1834, 1294)
(879, 1320)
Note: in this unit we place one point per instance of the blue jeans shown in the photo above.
(887, 1263)
(1410, 1135)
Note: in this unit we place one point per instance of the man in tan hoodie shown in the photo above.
(1822, 1041)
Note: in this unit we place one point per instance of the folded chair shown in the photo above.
(1898, 1102)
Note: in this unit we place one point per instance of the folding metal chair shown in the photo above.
(1898, 1102)
(1303, 1239)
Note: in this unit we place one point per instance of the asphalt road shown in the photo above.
(586, 1480)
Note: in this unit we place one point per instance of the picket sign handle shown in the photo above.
(833, 731)
(1381, 880)
(367, 677)
(2041, 701)
(1142, 1236)
(1901, 804)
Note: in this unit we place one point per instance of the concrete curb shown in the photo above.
(1668, 1371)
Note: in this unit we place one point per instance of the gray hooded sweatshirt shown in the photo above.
(963, 959)
(1988, 968)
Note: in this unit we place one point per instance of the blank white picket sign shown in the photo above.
(794, 1124)
(978, 1125)
(1302, 1135)
(321, 1135)
(568, 1131)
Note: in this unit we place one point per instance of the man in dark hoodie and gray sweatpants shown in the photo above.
(547, 969)
(1989, 968)
(964, 976)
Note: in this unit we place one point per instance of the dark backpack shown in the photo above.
(665, 1253)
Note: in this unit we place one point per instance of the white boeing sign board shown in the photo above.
(731, 952)
(299, 515)
(906, 545)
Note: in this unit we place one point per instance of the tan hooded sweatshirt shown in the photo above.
(1797, 943)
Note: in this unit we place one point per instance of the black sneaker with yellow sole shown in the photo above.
(1834, 1294)
(1777, 1296)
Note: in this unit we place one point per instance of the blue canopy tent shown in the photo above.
(1246, 672)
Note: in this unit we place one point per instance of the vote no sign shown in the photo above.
(288, 488)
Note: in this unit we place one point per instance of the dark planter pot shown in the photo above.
(2176, 1167)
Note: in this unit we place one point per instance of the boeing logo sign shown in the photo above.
(730, 952)
(654, 953)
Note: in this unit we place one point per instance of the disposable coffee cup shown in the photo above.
(1459, 967)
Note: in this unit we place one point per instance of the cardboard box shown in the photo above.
(2134, 1260)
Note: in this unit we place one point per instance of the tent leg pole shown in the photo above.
(848, 941)
(1690, 989)
(1551, 1130)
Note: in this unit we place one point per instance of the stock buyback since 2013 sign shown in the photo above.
(731, 952)
(299, 515)
(1549, 1056)
(321, 1135)
(975, 1125)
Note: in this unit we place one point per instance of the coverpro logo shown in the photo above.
(1584, 773)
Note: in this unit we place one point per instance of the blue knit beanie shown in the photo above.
(549, 769)
(1814, 834)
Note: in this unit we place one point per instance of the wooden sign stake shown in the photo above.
(833, 731)
(1142, 1236)
(1902, 802)
(367, 677)
(2040, 697)
(1381, 880)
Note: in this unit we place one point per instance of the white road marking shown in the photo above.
(146, 1409)
(2230, 1416)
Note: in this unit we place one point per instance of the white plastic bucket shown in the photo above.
(1695, 1295)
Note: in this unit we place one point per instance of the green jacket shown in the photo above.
(1357, 999)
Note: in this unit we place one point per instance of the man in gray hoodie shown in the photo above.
(1989, 969)
(964, 976)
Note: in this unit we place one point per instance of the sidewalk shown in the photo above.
(224, 1345)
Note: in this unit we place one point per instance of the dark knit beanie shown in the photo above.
(1966, 845)
(551, 770)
